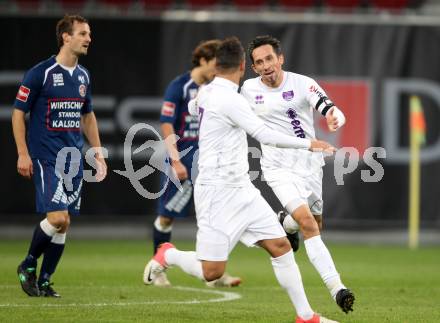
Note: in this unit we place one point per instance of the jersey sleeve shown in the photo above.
(29, 90)
(242, 115)
(317, 97)
(171, 101)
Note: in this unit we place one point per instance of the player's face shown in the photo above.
(268, 64)
(208, 70)
(80, 39)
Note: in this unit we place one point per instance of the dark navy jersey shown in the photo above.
(175, 111)
(55, 99)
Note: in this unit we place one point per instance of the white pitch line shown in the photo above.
(225, 297)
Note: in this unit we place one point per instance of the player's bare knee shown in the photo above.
(165, 221)
(59, 220)
(309, 227)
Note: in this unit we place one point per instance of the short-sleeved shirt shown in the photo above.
(288, 109)
(175, 111)
(225, 118)
(55, 98)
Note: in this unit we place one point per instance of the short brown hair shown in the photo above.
(206, 50)
(230, 54)
(264, 40)
(65, 25)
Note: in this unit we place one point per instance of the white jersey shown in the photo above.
(223, 146)
(288, 109)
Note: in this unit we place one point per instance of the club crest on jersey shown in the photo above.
(23, 93)
(82, 90)
(81, 79)
(168, 109)
(288, 95)
(259, 99)
(58, 79)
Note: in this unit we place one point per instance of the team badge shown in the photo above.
(288, 95)
(259, 99)
(82, 90)
(58, 79)
(23, 93)
(168, 109)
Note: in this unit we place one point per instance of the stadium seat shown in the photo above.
(294, 4)
(342, 4)
(201, 3)
(390, 4)
(157, 4)
(27, 4)
(248, 4)
(72, 4)
(117, 4)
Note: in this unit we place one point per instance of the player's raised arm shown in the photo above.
(319, 100)
(24, 162)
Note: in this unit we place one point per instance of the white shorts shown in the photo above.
(293, 190)
(226, 215)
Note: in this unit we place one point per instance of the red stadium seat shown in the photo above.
(27, 4)
(297, 3)
(201, 3)
(246, 4)
(157, 4)
(390, 4)
(118, 4)
(342, 4)
(72, 4)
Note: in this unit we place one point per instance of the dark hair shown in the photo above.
(206, 50)
(65, 25)
(264, 40)
(229, 54)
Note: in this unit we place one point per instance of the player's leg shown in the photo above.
(213, 242)
(320, 256)
(53, 252)
(174, 203)
(65, 201)
(288, 275)
(162, 228)
(44, 231)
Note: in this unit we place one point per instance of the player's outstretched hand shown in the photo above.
(335, 119)
(24, 166)
(101, 169)
(322, 146)
(180, 170)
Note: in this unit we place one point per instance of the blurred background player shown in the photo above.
(228, 206)
(175, 120)
(61, 85)
(286, 104)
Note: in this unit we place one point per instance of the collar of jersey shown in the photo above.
(226, 83)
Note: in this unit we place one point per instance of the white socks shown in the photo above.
(59, 238)
(185, 260)
(288, 275)
(161, 228)
(48, 228)
(321, 259)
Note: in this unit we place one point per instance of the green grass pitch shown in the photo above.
(101, 281)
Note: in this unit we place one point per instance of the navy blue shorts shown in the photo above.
(53, 193)
(173, 202)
